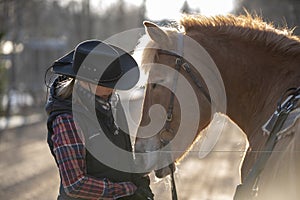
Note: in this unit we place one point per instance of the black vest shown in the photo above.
(57, 106)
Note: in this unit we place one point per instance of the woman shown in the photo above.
(82, 125)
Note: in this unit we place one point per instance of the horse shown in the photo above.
(239, 65)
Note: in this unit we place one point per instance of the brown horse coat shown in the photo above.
(258, 63)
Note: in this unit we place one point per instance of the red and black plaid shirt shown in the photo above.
(70, 154)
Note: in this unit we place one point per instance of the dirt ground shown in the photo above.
(28, 171)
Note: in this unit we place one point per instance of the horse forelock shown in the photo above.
(146, 51)
(247, 27)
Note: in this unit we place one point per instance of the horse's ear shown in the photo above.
(155, 32)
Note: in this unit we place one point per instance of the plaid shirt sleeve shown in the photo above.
(70, 154)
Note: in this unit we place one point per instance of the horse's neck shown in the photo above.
(254, 81)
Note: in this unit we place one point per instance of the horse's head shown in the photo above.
(175, 95)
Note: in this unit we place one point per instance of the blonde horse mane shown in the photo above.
(249, 27)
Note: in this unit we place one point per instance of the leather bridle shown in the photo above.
(166, 132)
(165, 135)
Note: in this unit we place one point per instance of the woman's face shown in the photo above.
(103, 92)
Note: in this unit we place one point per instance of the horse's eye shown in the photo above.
(154, 85)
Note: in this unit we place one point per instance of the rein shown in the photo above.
(248, 189)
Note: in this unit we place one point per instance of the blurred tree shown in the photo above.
(14, 25)
(120, 13)
(142, 13)
(185, 8)
(119, 17)
(42, 31)
(3, 80)
(281, 13)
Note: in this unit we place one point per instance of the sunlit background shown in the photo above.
(170, 9)
(33, 33)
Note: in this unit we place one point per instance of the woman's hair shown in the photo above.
(65, 88)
